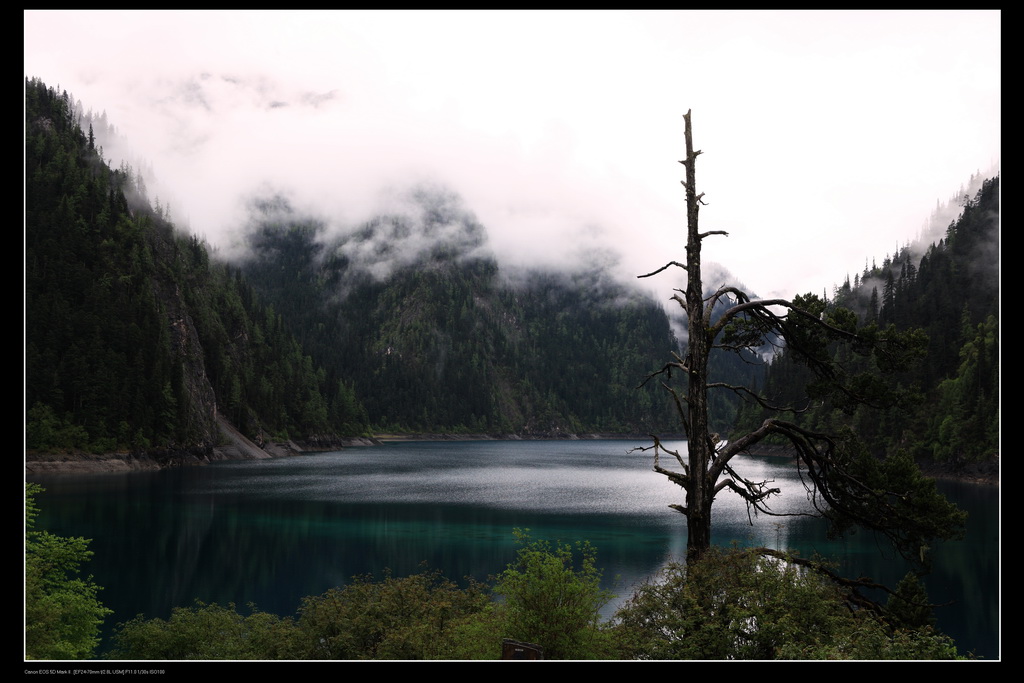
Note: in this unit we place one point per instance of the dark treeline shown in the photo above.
(134, 338)
(950, 406)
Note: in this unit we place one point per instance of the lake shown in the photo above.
(271, 532)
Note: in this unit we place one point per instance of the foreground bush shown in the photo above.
(395, 618)
(731, 605)
(548, 600)
(63, 614)
(208, 632)
(551, 602)
(742, 605)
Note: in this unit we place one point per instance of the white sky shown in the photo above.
(827, 136)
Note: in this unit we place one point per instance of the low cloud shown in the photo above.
(559, 131)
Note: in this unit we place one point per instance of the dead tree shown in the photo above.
(847, 484)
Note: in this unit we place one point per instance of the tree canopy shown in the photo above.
(739, 604)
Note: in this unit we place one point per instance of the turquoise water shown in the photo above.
(272, 532)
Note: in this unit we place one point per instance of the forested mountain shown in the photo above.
(950, 291)
(436, 338)
(134, 339)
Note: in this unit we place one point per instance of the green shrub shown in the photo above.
(551, 602)
(743, 605)
(207, 632)
(62, 612)
(394, 618)
(475, 636)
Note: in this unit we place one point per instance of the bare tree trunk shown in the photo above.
(699, 491)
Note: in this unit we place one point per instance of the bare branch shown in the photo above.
(713, 232)
(754, 493)
(675, 477)
(655, 272)
(679, 400)
(665, 370)
(677, 456)
(760, 399)
(657, 447)
(760, 307)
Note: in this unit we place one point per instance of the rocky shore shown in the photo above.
(234, 446)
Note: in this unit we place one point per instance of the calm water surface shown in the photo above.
(272, 532)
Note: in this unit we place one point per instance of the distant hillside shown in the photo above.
(948, 288)
(435, 338)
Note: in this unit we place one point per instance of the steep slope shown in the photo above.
(134, 340)
(950, 290)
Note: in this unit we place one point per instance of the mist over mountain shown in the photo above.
(949, 290)
(410, 319)
(436, 337)
(407, 321)
(137, 341)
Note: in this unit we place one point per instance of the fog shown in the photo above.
(827, 137)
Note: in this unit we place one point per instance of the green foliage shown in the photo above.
(868, 639)
(423, 616)
(548, 600)
(741, 605)
(968, 417)
(475, 636)
(553, 599)
(44, 431)
(945, 305)
(908, 606)
(892, 496)
(395, 618)
(62, 612)
(207, 632)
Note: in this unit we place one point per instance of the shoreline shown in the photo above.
(556, 436)
(240, 448)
